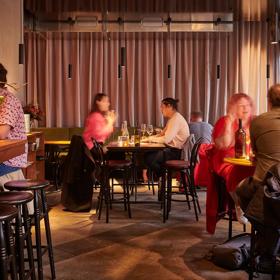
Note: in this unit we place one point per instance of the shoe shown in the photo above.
(240, 216)
(264, 264)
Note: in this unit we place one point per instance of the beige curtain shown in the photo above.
(242, 56)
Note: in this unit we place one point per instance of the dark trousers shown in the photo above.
(155, 160)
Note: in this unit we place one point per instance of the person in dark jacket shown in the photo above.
(78, 177)
(264, 135)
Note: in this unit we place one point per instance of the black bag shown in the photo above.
(234, 253)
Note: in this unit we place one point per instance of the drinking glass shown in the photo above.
(150, 129)
(143, 128)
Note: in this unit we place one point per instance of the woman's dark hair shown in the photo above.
(3, 76)
(171, 102)
(98, 97)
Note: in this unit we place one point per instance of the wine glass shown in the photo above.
(143, 128)
(150, 129)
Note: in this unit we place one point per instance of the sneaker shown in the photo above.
(240, 216)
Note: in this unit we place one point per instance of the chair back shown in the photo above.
(194, 158)
(97, 153)
(187, 148)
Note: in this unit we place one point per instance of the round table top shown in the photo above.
(239, 161)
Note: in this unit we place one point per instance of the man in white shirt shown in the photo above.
(174, 135)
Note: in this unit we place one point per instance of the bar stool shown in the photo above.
(186, 171)
(22, 230)
(7, 245)
(38, 188)
(106, 168)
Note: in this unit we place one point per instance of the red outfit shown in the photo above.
(232, 174)
(96, 127)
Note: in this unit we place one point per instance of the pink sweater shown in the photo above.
(96, 126)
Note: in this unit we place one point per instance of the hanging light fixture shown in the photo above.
(218, 71)
(69, 76)
(169, 75)
(123, 56)
(21, 53)
(119, 72)
(276, 38)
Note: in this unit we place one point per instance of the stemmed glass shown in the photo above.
(143, 128)
(150, 129)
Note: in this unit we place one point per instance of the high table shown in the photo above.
(54, 152)
(239, 161)
(135, 151)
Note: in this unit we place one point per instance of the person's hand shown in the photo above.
(231, 118)
(111, 117)
(145, 139)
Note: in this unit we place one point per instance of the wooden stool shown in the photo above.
(22, 230)
(7, 245)
(38, 188)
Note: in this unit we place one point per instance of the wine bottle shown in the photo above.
(240, 141)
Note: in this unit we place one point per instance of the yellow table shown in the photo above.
(57, 142)
(239, 161)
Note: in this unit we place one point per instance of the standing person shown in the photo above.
(200, 128)
(174, 134)
(265, 134)
(240, 106)
(100, 122)
(11, 127)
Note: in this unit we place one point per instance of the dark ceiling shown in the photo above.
(245, 10)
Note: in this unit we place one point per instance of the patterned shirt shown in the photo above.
(11, 114)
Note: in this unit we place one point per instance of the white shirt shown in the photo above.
(176, 132)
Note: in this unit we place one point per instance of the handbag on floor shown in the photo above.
(234, 253)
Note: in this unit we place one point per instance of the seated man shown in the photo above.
(174, 135)
(200, 128)
(264, 134)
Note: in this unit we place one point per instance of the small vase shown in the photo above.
(27, 123)
(33, 123)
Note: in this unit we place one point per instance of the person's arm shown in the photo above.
(97, 127)
(225, 138)
(170, 131)
(4, 131)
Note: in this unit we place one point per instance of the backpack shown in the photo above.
(232, 254)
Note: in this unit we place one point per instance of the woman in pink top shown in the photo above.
(99, 123)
